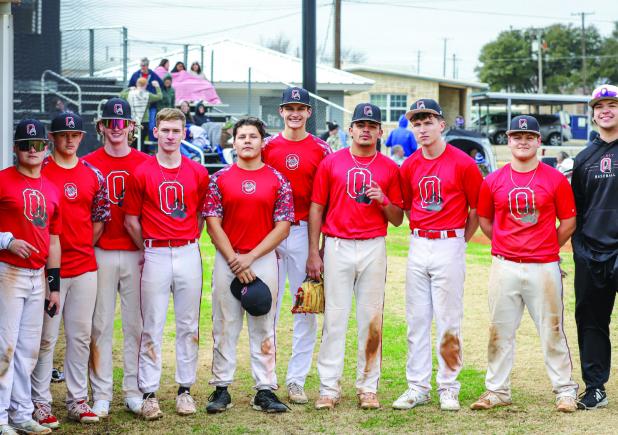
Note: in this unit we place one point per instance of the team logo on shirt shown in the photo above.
(118, 109)
(172, 199)
(115, 181)
(606, 165)
(522, 205)
(70, 190)
(292, 161)
(248, 187)
(31, 130)
(523, 124)
(35, 207)
(70, 122)
(358, 181)
(429, 189)
(295, 94)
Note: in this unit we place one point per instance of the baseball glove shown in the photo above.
(309, 297)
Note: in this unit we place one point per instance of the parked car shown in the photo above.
(472, 142)
(494, 125)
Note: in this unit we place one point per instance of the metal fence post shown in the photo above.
(186, 54)
(202, 58)
(212, 66)
(91, 51)
(125, 55)
(249, 93)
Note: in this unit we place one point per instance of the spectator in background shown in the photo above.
(163, 69)
(168, 95)
(480, 161)
(565, 164)
(186, 110)
(57, 108)
(140, 101)
(331, 136)
(180, 66)
(226, 135)
(146, 73)
(165, 64)
(397, 154)
(200, 117)
(402, 136)
(196, 69)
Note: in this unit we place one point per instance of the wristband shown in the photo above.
(385, 201)
(53, 279)
(6, 239)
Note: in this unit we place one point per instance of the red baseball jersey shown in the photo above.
(83, 199)
(116, 171)
(30, 210)
(339, 186)
(167, 200)
(439, 192)
(524, 210)
(298, 161)
(249, 203)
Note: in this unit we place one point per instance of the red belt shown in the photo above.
(521, 260)
(434, 234)
(152, 243)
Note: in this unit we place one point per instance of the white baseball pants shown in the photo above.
(434, 290)
(21, 321)
(119, 272)
(352, 268)
(537, 286)
(292, 258)
(77, 299)
(179, 271)
(227, 319)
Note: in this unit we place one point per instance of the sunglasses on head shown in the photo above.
(26, 145)
(116, 124)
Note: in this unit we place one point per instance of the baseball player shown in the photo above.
(356, 193)
(440, 188)
(83, 198)
(118, 260)
(296, 154)
(30, 211)
(248, 211)
(595, 245)
(163, 215)
(517, 208)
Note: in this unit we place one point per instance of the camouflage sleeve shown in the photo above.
(284, 205)
(101, 206)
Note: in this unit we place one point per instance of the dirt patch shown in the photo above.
(94, 359)
(550, 306)
(374, 342)
(450, 350)
(267, 346)
(5, 361)
(492, 346)
(195, 339)
(150, 351)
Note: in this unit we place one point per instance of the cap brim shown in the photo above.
(70, 129)
(294, 102)
(594, 101)
(31, 138)
(508, 132)
(367, 119)
(411, 113)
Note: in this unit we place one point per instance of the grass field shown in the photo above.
(532, 411)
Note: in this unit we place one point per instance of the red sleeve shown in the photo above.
(394, 189)
(55, 224)
(134, 196)
(564, 199)
(472, 184)
(485, 205)
(319, 194)
(202, 189)
(406, 188)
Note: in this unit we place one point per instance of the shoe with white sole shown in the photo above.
(566, 404)
(489, 400)
(185, 405)
(410, 399)
(31, 427)
(101, 408)
(134, 404)
(151, 410)
(449, 401)
(6, 429)
(296, 394)
(81, 411)
(43, 415)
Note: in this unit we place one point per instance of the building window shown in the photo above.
(391, 105)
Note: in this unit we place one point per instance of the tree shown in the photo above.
(280, 43)
(348, 55)
(608, 62)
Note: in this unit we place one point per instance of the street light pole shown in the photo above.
(309, 53)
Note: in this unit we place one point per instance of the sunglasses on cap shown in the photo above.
(116, 124)
(26, 145)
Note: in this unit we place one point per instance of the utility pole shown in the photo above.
(539, 55)
(418, 62)
(584, 62)
(337, 51)
(309, 53)
(444, 59)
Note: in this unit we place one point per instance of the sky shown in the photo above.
(390, 33)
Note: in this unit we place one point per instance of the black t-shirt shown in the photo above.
(595, 186)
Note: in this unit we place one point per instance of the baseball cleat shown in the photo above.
(185, 405)
(219, 401)
(326, 402)
(267, 401)
(368, 401)
(410, 399)
(134, 404)
(101, 408)
(30, 427)
(296, 394)
(57, 375)
(566, 404)
(43, 415)
(489, 400)
(449, 401)
(80, 411)
(592, 398)
(151, 410)
(6, 429)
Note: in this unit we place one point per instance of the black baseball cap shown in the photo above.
(116, 108)
(367, 112)
(295, 95)
(67, 121)
(424, 105)
(255, 297)
(30, 129)
(524, 124)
